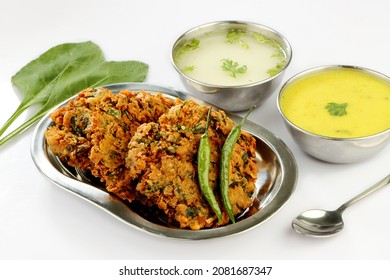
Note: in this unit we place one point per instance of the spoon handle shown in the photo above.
(370, 190)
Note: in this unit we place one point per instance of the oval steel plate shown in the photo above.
(275, 184)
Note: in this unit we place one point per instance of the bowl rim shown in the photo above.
(319, 69)
(287, 49)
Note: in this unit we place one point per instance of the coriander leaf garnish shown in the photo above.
(343, 131)
(337, 109)
(189, 68)
(233, 67)
(234, 36)
(188, 46)
(279, 51)
(261, 38)
(273, 71)
(265, 40)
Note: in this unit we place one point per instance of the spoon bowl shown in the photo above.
(319, 223)
(323, 223)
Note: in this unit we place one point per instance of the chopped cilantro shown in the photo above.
(189, 68)
(273, 71)
(337, 109)
(234, 36)
(233, 67)
(188, 46)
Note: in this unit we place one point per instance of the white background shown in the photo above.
(41, 221)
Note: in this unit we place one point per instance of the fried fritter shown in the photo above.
(162, 161)
(143, 146)
(93, 130)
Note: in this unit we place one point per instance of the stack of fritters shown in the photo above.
(152, 156)
(92, 131)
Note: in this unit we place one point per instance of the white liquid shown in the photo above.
(205, 61)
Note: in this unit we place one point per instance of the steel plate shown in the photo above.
(275, 184)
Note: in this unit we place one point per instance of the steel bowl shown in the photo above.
(233, 98)
(331, 149)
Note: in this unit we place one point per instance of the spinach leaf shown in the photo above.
(63, 71)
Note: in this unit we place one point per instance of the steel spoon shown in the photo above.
(322, 223)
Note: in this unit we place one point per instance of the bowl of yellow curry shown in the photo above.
(337, 113)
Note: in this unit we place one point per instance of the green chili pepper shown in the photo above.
(227, 150)
(204, 154)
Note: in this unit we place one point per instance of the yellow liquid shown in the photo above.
(205, 62)
(368, 103)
